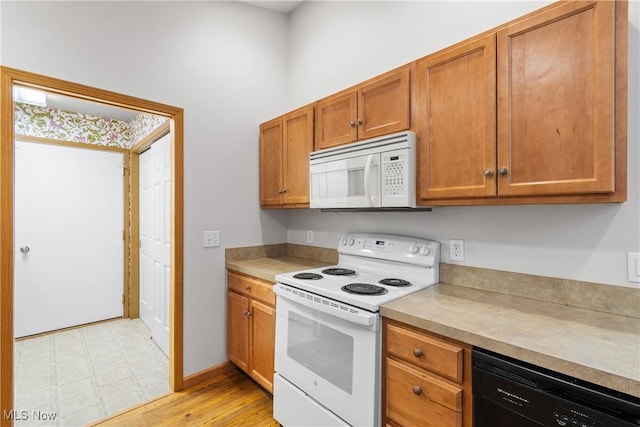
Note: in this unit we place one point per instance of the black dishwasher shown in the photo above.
(512, 393)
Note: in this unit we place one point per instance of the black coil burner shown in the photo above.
(364, 289)
(338, 272)
(395, 282)
(307, 276)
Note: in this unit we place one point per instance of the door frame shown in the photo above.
(11, 76)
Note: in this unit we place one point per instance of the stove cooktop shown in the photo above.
(373, 269)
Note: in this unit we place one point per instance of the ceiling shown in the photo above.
(284, 6)
(76, 105)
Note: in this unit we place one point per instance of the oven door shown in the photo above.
(352, 182)
(330, 353)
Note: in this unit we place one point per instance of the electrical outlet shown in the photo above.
(309, 236)
(211, 239)
(456, 250)
(633, 267)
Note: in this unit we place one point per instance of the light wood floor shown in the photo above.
(229, 399)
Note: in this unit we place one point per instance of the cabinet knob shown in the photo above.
(487, 172)
(247, 313)
(247, 288)
(352, 124)
(503, 171)
(417, 352)
(359, 122)
(417, 390)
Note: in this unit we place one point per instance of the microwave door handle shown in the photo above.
(367, 179)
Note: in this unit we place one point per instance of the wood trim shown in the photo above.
(6, 246)
(11, 76)
(176, 355)
(156, 134)
(134, 236)
(207, 374)
(71, 144)
(126, 233)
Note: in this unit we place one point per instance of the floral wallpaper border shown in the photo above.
(63, 125)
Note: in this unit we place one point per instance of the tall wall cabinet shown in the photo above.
(551, 126)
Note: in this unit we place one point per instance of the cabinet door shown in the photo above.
(271, 179)
(336, 120)
(556, 102)
(298, 143)
(457, 122)
(238, 330)
(263, 336)
(384, 104)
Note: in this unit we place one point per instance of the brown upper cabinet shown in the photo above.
(376, 107)
(285, 144)
(457, 121)
(559, 107)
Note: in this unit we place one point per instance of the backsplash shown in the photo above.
(63, 125)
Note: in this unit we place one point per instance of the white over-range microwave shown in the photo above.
(375, 173)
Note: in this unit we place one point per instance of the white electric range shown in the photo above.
(328, 353)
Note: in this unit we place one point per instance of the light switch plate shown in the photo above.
(211, 239)
(633, 267)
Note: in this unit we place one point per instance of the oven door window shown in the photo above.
(321, 349)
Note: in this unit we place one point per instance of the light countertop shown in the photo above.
(599, 347)
(268, 267)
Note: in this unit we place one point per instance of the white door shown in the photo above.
(68, 262)
(155, 203)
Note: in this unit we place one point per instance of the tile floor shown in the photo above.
(72, 377)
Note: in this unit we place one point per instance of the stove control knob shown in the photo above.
(413, 248)
(344, 241)
(425, 250)
(351, 241)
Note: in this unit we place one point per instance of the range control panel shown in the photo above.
(391, 247)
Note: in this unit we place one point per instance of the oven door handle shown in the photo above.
(327, 306)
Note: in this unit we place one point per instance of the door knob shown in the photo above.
(25, 249)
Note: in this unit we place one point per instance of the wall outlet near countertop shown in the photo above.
(633, 267)
(309, 236)
(456, 250)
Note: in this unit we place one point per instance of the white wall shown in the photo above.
(225, 64)
(337, 44)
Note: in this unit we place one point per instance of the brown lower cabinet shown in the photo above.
(426, 378)
(251, 321)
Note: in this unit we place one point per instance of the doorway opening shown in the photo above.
(10, 77)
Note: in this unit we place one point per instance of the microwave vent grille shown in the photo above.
(394, 178)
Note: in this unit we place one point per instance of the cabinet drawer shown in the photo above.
(426, 352)
(416, 398)
(254, 288)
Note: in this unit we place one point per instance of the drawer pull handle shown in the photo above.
(417, 390)
(417, 352)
